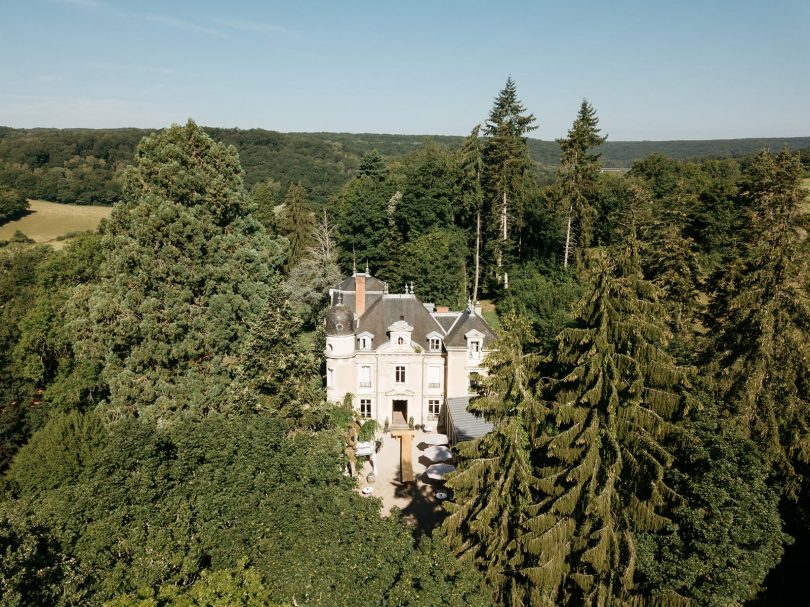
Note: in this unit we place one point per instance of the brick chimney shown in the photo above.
(360, 294)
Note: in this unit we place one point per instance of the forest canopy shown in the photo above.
(164, 433)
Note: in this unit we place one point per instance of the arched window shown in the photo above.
(400, 341)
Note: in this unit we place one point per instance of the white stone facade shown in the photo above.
(399, 356)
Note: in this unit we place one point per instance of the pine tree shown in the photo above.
(506, 174)
(297, 223)
(372, 165)
(612, 394)
(494, 486)
(472, 166)
(758, 354)
(578, 174)
(186, 271)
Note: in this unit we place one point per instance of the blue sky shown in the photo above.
(653, 69)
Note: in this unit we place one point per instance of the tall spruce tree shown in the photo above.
(759, 351)
(494, 486)
(612, 393)
(297, 223)
(506, 175)
(578, 175)
(669, 260)
(186, 270)
(472, 166)
(372, 165)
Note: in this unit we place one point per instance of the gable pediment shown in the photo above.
(473, 334)
(400, 326)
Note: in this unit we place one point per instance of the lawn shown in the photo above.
(48, 221)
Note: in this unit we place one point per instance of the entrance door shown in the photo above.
(400, 413)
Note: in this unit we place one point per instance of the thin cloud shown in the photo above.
(180, 24)
(50, 78)
(142, 69)
(82, 3)
(251, 26)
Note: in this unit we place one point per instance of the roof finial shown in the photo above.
(469, 304)
(406, 288)
(354, 261)
(385, 288)
(340, 297)
(367, 272)
(412, 290)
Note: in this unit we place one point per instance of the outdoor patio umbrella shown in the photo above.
(438, 453)
(435, 439)
(437, 471)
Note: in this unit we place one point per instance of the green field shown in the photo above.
(48, 221)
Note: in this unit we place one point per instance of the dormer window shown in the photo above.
(365, 341)
(475, 341)
(400, 334)
(434, 341)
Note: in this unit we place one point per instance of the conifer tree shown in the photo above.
(759, 354)
(472, 166)
(669, 260)
(494, 486)
(506, 174)
(578, 174)
(186, 271)
(372, 165)
(297, 222)
(363, 219)
(612, 393)
(391, 268)
(726, 534)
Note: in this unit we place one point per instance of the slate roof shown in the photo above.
(466, 323)
(388, 309)
(372, 284)
(463, 425)
(350, 299)
(446, 319)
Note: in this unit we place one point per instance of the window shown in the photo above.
(400, 341)
(434, 377)
(330, 378)
(475, 349)
(365, 343)
(365, 376)
(434, 405)
(435, 344)
(365, 408)
(399, 374)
